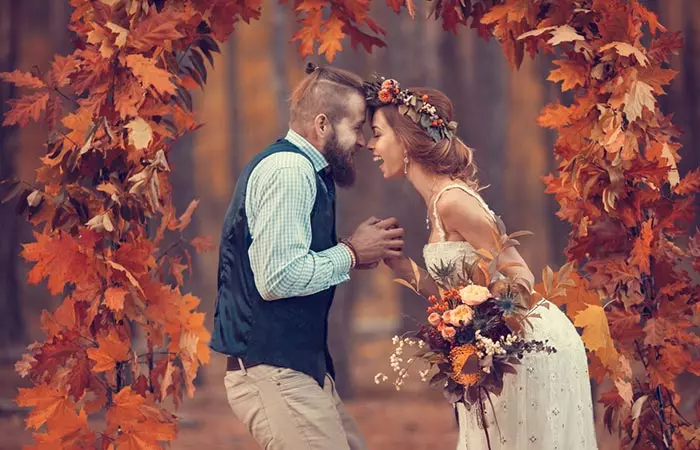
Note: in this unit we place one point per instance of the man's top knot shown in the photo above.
(310, 68)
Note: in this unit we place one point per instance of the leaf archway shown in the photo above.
(118, 102)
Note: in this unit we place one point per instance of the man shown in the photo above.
(279, 263)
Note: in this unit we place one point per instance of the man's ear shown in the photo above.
(321, 124)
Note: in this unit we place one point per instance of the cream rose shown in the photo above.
(462, 315)
(473, 294)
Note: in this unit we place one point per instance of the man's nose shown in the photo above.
(361, 141)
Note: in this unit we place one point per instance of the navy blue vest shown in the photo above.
(290, 332)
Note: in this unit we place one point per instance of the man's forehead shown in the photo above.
(358, 106)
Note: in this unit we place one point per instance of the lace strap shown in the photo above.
(438, 223)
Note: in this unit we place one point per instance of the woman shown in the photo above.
(547, 405)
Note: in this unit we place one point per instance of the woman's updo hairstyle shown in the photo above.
(448, 156)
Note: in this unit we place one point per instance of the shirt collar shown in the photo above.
(317, 159)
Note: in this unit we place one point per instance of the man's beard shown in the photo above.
(341, 162)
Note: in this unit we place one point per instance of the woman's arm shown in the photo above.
(463, 214)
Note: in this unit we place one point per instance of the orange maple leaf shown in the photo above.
(129, 97)
(624, 324)
(149, 74)
(136, 441)
(114, 298)
(689, 183)
(22, 79)
(110, 350)
(656, 330)
(656, 77)
(156, 29)
(554, 115)
(495, 14)
(596, 334)
(357, 9)
(63, 260)
(642, 248)
(136, 256)
(571, 73)
(311, 5)
(331, 36)
(51, 404)
(309, 33)
(577, 297)
(673, 360)
(78, 123)
(648, 17)
(61, 68)
(26, 109)
(359, 37)
(138, 415)
(71, 431)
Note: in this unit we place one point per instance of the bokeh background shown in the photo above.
(244, 107)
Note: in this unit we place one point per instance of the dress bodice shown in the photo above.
(444, 252)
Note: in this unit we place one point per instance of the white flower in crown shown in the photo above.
(390, 83)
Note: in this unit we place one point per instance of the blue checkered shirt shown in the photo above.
(280, 195)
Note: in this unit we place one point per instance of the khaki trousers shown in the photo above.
(287, 410)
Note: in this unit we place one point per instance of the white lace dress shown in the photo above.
(547, 405)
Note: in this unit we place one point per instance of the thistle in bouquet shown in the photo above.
(475, 329)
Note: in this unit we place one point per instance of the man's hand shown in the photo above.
(374, 240)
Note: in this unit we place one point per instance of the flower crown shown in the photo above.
(381, 91)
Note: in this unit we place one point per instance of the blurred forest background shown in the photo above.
(244, 108)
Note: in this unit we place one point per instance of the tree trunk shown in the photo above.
(524, 205)
(691, 88)
(278, 53)
(12, 325)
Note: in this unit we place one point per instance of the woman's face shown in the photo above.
(387, 150)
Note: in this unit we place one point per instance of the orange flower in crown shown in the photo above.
(385, 96)
(390, 84)
(381, 91)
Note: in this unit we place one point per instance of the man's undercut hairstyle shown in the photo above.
(324, 90)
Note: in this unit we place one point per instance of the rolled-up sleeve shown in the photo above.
(280, 196)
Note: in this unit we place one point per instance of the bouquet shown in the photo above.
(474, 330)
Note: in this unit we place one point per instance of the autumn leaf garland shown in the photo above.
(116, 103)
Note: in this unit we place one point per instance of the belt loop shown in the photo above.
(240, 363)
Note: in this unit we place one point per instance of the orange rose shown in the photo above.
(447, 316)
(434, 319)
(448, 332)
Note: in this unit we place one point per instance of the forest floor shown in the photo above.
(416, 418)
